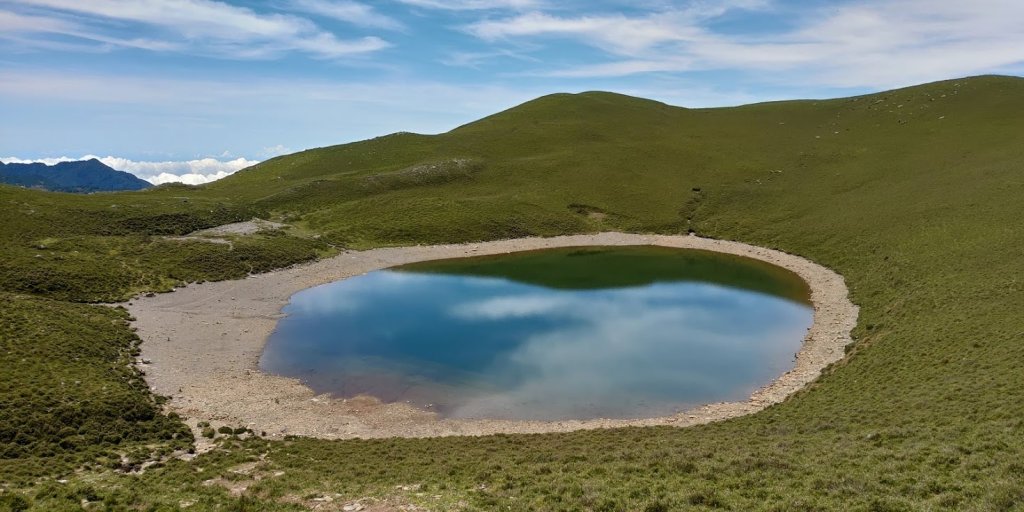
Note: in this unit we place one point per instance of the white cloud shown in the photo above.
(618, 34)
(474, 59)
(350, 12)
(473, 5)
(513, 306)
(682, 334)
(191, 172)
(15, 27)
(870, 43)
(356, 293)
(620, 68)
(188, 179)
(421, 106)
(272, 151)
(14, 22)
(200, 26)
(131, 89)
(695, 341)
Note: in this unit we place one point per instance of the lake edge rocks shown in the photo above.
(204, 342)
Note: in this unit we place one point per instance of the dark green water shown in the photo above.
(574, 333)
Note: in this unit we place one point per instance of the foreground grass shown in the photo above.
(915, 196)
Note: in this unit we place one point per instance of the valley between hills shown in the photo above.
(913, 196)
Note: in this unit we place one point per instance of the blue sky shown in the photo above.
(166, 88)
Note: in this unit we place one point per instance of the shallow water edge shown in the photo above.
(554, 334)
(203, 343)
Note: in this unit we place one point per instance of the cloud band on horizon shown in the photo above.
(189, 172)
(191, 77)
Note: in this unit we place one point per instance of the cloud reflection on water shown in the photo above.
(657, 344)
(511, 350)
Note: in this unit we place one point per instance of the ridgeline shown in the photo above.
(915, 195)
(82, 176)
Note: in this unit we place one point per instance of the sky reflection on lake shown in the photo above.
(484, 347)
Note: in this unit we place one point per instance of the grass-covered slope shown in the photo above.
(914, 195)
(586, 268)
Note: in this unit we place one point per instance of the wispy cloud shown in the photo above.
(350, 12)
(683, 334)
(191, 172)
(306, 73)
(860, 44)
(272, 151)
(14, 22)
(618, 34)
(14, 26)
(474, 5)
(428, 96)
(475, 59)
(206, 115)
(620, 68)
(198, 26)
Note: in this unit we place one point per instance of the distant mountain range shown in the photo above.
(81, 176)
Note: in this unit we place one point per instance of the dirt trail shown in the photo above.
(203, 343)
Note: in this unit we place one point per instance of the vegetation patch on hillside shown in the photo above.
(913, 195)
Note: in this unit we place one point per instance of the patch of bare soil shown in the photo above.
(248, 227)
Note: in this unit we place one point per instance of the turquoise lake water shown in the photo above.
(575, 333)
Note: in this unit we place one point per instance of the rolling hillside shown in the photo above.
(915, 195)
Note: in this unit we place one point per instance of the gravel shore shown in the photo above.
(201, 345)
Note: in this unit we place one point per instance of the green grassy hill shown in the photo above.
(916, 196)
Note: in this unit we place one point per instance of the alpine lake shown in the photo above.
(554, 334)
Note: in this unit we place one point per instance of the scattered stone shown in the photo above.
(204, 349)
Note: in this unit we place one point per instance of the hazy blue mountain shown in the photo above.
(80, 176)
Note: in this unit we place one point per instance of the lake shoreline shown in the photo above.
(202, 344)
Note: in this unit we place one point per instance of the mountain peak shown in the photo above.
(81, 176)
